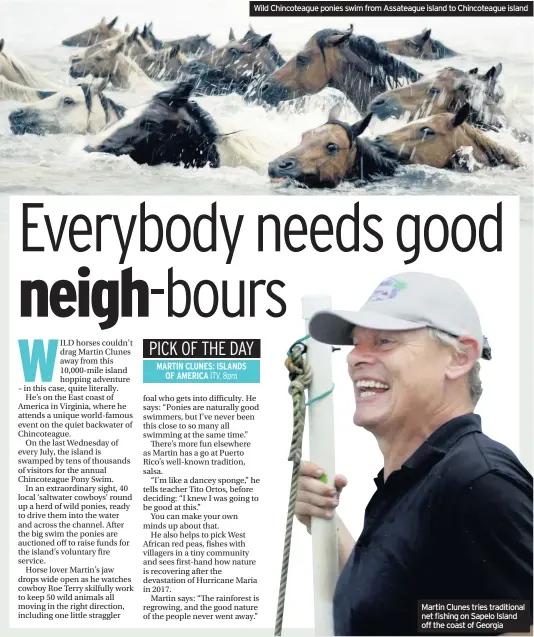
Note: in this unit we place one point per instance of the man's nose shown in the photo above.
(361, 353)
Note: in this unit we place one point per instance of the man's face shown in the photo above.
(395, 375)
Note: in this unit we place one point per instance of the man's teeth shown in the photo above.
(361, 384)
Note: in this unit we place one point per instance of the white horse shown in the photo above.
(79, 110)
(14, 70)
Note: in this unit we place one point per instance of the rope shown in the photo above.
(300, 376)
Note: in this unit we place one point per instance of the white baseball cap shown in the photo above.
(406, 301)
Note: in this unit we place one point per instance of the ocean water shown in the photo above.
(57, 164)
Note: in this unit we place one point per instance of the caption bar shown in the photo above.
(207, 348)
(478, 616)
(464, 9)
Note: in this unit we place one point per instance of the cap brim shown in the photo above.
(335, 327)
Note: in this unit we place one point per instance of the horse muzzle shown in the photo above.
(76, 73)
(24, 122)
(284, 168)
(386, 106)
(272, 92)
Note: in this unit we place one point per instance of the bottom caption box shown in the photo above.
(473, 616)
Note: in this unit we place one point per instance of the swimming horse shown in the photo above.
(355, 65)
(172, 129)
(13, 70)
(193, 45)
(82, 109)
(420, 46)
(446, 92)
(335, 152)
(237, 67)
(101, 31)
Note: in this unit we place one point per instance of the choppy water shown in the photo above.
(58, 165)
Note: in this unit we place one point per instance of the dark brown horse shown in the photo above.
(192, 46)
(331, 154)
(445, 141)
(237, 67)
(420, 46)
(355, 65)
(447, 91)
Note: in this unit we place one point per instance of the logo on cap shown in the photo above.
(388, 290)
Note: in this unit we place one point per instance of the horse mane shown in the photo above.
(439, 47)
(386, 67)
(496, 154)
(371, 162)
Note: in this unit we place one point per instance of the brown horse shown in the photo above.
(193, 45)
(445, 92)
(164, 64)
(355, 65)
(101, 31)
(421, 46)
(332, 153)
(237, 67)
(445, 141)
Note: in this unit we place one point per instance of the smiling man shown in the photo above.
(451, 518)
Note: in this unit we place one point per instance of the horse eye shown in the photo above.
(302, 60)
(68, 101)
(332, 148)
(427, 131)
(99, 58)
(434, 91)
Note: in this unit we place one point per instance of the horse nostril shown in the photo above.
(379, 102)
(287, 164)
(379, 139)
(266, 86)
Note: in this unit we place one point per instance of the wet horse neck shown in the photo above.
(358, 88)
(370, 162)
(125, 69)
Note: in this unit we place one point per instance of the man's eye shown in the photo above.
(385, 341)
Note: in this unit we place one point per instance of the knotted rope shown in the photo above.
(300, 377)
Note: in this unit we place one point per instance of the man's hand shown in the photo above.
(315, 498)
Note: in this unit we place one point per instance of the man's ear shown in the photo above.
(461, 362)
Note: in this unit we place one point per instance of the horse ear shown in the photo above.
(461, 115)
(119, 48)
(2, 42)
(103, 21)
(251, 30)
(425, 35)
(263, 41)
(174, 51)
(151, 26)
(131, 37)
(473, 71)
(113, 22)
(231, 35)
(204, 37)
(493, 73)
(335, 112)
(144, 34)
(359, 127)
(337, 40)
(127, 28)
